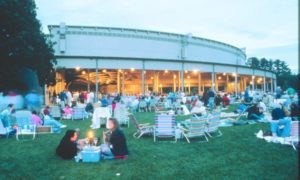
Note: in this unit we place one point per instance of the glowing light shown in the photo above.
(77, 68)
(152, 78)
(224, 74)
(90, 134)
(219, 77)
(83, 72)
(175, 76)
(132, 69)
(104, 70)
(120, 70)
(253, 77)
(195, 71)
(160, 85)
(188, 77)
(186, 71)
(166, 71)
(234, 74)
(144, 72)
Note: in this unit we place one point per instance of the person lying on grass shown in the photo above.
(116, 147)
(68, 148)
(280, 124)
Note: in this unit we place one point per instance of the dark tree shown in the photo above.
(285, 78)
(23, 45)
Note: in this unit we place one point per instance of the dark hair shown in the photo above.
(10, 105)
(69, 134)
(277, 114)
(34, 112)
(115, 122)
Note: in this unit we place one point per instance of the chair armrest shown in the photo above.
(145, 124)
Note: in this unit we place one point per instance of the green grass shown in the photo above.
(238, 154)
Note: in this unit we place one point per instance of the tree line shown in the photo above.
(284, 76)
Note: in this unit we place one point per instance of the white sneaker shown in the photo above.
(63, 126)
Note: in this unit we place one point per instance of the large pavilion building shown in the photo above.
(133, 61)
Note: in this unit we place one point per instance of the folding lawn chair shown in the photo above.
(164, 127)
(194, 127)
(55, 112)
(78, 113)
(25, 124)
(142, 129)
(213, 122)
(294, 138)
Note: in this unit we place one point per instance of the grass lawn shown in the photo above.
(238, 154)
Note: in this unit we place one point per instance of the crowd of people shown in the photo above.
(257, 105)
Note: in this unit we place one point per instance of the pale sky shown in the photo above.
(267, 28)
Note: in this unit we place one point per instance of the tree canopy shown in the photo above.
(285, 78)
(23, 45)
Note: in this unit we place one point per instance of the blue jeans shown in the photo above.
(211, 103)
(106, 152)
(54, 124)
(282, 128)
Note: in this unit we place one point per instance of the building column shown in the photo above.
(275, 83)
(97, 79)
(143, 79)
(118, 82)
(272, 86)
(174, 83)
(235, 85)
(88, 79)
(182, 77)
(227, 81)
(264, 82)
(217, 82)
(213, 78)
(199, 83)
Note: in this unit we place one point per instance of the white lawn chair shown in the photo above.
(142, 129)
(294, 138)
(78, 113)
(6, 131)
(55, 112)
(100, 117)
(213, 123)
(195, 127)
(25, 124)
(165, 127)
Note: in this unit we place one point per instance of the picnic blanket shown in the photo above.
(273, 139)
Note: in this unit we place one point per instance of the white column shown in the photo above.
(118, 81)
(143, 79)
(97, 79)
(264, 82)
(235, 85)
(199, 83)
(213, 78)
(182, 77)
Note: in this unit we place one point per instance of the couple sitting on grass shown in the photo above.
(115, 149)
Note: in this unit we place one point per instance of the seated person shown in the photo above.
(67, 148)
(199, 109)
(280, 124)
(184, 109)
(295, 113)
(255, 112)
(6, 114)
(36, 119)
(225, 100)
(117, 147)
(143, 105)
(218, 100)
(67, 112)
(48, 121)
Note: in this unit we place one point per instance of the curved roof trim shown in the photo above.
(150, 31)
